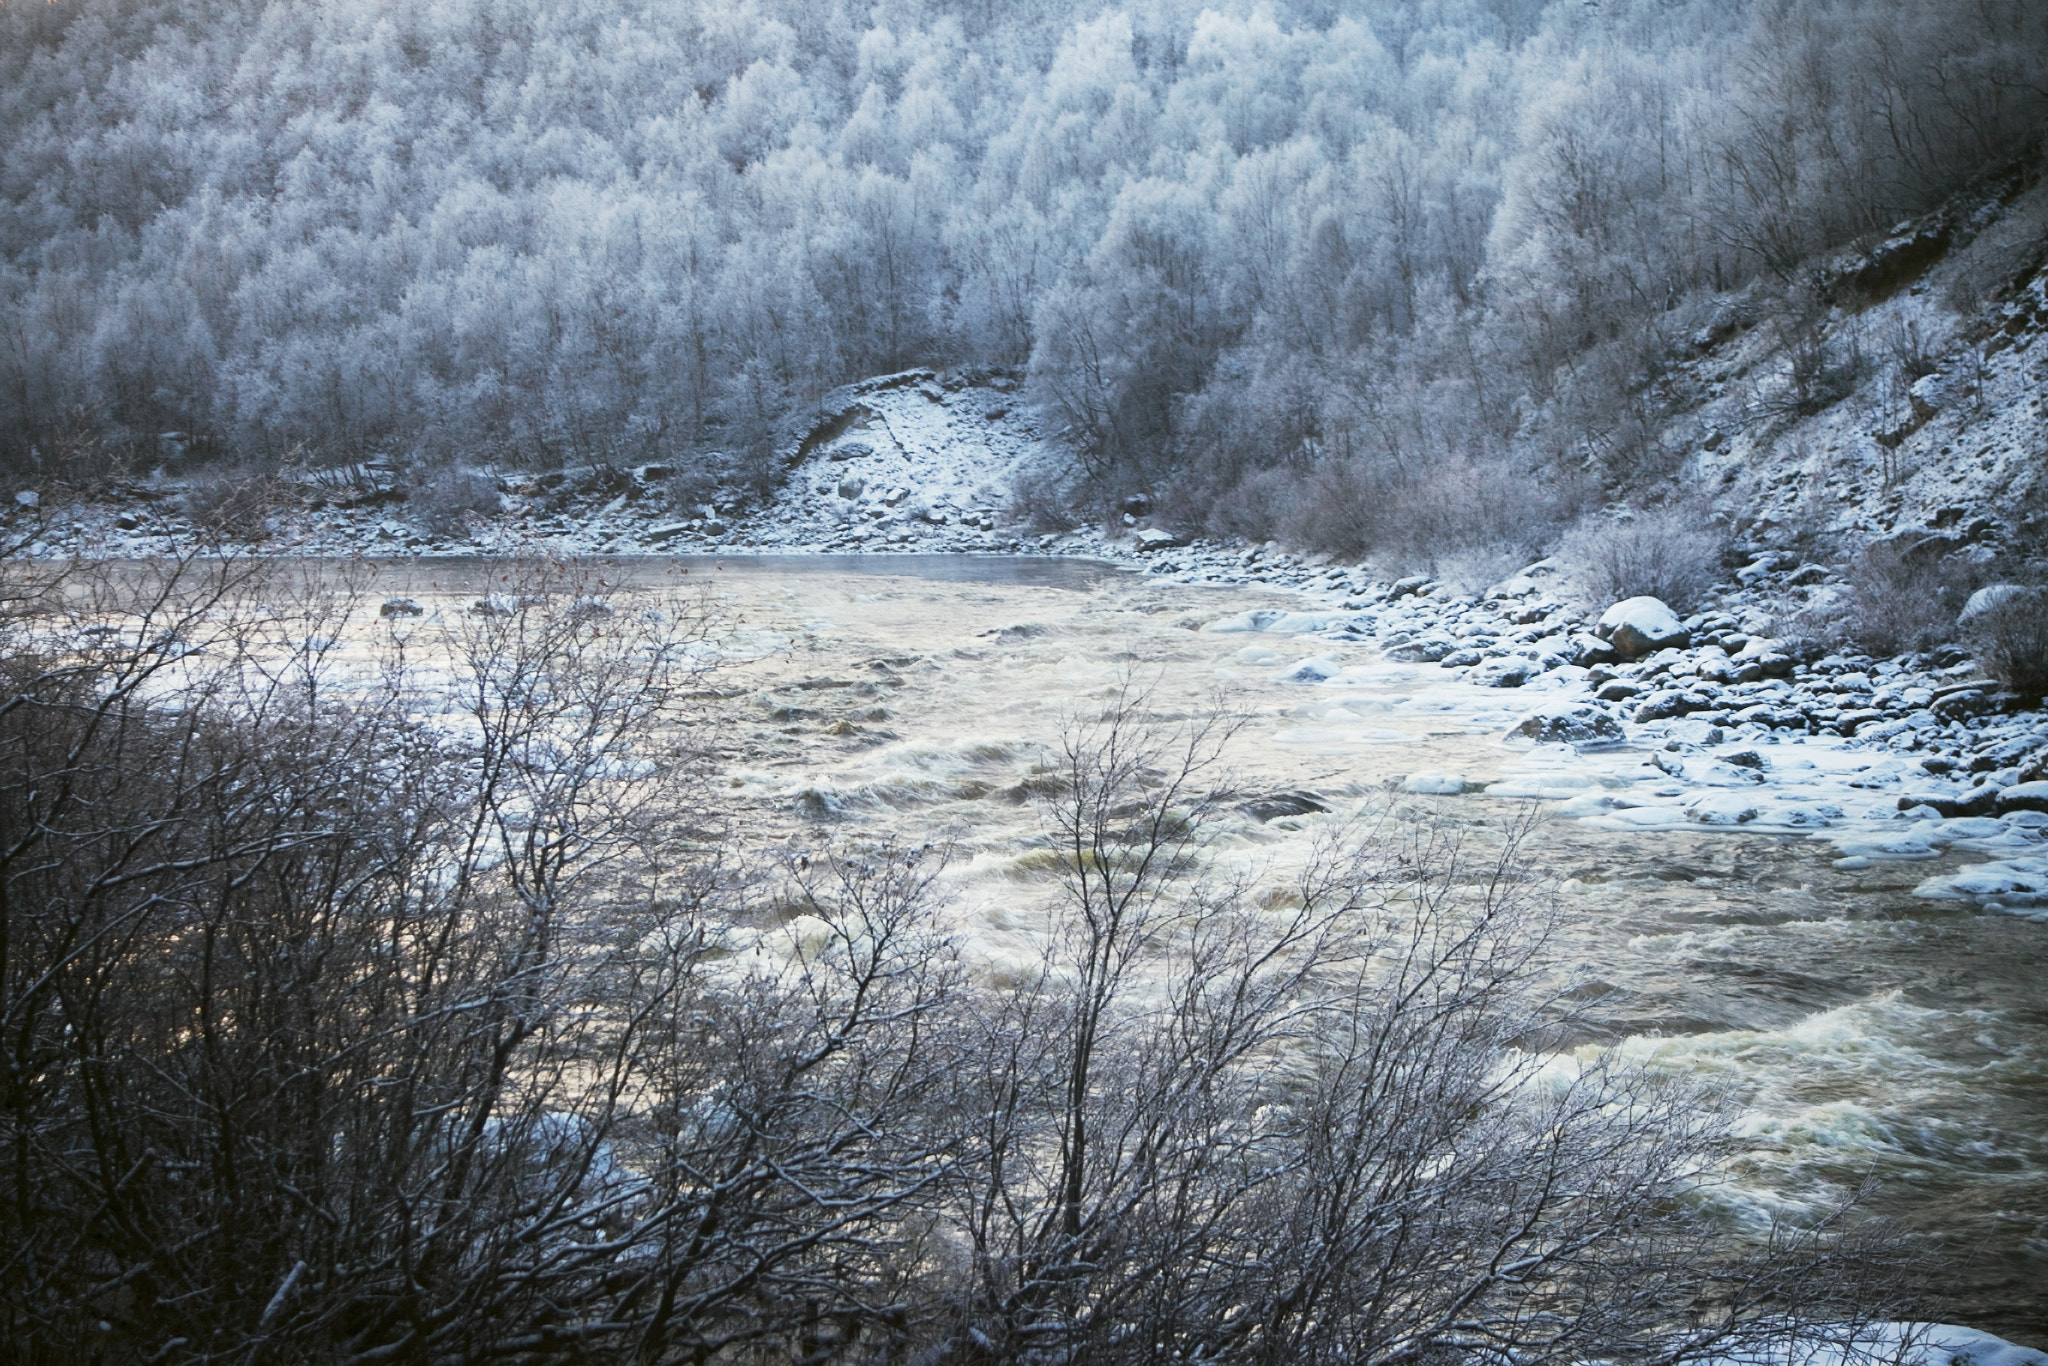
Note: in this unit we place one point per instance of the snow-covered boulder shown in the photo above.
(1932, 393)
(28, 500)
(1568, 722)
(2023, 797)
(1641, 626)
(1434, 784)
(1990, 598)
(1510, 672)
(1155, 538)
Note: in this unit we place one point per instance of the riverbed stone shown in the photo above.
(1569, 722)
(1640, 626)
(2029, 796)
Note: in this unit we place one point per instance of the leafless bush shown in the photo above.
(1673, 554)
(1908, 350)
(445, 501)
(1041, 504)
(2010, 640)
(330, 1034)
(692, 487)
(235, 502)
(1904, 595)
(1317, 1125)
(1423, 515)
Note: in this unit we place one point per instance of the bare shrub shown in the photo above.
(2010, 640)
(236, 502)
(692, 487)
(1042, 503)
(1425, 515)
(1904, 595)
(1670, 553)
(1312, 1125)
(446, 501)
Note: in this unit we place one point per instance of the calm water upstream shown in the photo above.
(1855, 1029)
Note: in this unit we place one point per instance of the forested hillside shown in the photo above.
(1278, 265)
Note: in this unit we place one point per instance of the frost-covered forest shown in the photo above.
(1344, 246)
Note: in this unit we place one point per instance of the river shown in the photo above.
(1855, 1029)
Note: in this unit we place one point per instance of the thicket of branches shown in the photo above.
(407, 1008)
(1297, 266)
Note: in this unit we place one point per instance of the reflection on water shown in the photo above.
(1853, 1029)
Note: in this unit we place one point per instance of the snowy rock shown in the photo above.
(1636, 627)
(1155, 538)
(1314, 669)
(1434, 784)
(1670, 702)
(1586, 649)
(127, 521)
(400, 607)
(1428, 650)
(1989, 598)
(2031, 796)
(852, 487)
(1284, 804)
(28, 500)
(666, 533)
(1932, 393)
(1511, 672)
(1414, 583)
(1955, 802)
(1568, 722)
(1966, 702)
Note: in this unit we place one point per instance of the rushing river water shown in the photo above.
(1857, 1030)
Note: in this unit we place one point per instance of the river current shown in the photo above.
(1855, 1030)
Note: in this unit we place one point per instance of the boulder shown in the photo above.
(1414, 583)
(1568, 722)
(1989, 599)
(1587, 650)
(127, 521)
(2023, 797)
(1434, 784)
(1670, 702)
(400, 607)
(1511, 672)
(1636, 627)
(1975, 801)
(1155, 538)
(28, 500)
(1428, 650)
(1281, 804)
